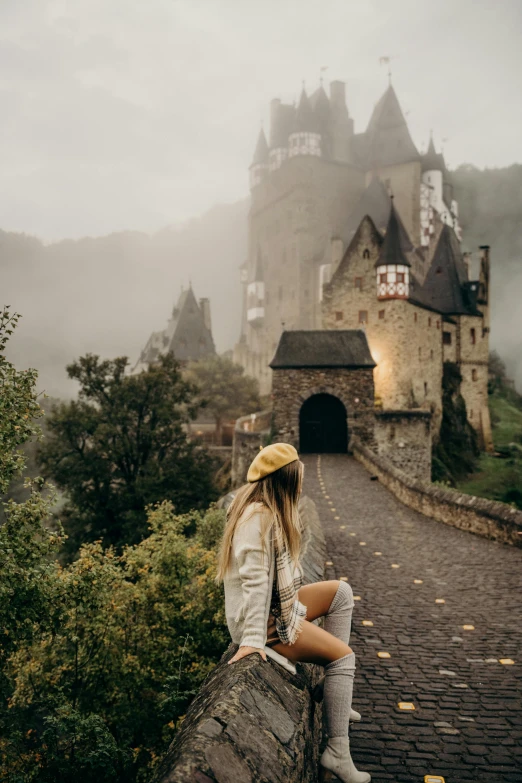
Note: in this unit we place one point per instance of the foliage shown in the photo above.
(456, 452)
(123, 445)
(101, 693)
(18, 406)
(499, 476)
(227, 391)
(99, 658)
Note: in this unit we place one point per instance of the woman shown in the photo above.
(259, 565)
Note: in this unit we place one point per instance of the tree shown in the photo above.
(455, 454)
(227, 391)
(122, 446)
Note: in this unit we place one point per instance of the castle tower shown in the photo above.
(389, 153)
(281, 121)
(305, 138)
(341, 124)
(436, 194)
(392, 266)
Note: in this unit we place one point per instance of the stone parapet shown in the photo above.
(254, 722)
(487, 518)
(403, 437)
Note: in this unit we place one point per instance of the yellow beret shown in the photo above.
(270, 459)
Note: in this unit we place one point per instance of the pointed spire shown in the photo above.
(389, 139)
(261, 150)
(392, 248)
(433, 160)
(305, 119)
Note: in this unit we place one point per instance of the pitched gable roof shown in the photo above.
(375, 202)
(432, 160)
(366, 226)
(322, 348)
(446, 287)
(305, 118)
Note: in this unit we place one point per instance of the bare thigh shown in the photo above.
(315, 645)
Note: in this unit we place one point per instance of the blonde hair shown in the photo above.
(279, 494)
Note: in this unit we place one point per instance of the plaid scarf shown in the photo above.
(288, 611)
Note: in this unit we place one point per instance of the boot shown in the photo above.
(336, 762)
(317, 695)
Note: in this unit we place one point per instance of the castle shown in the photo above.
(358, 231)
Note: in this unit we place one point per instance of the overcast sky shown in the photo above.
(134, 114)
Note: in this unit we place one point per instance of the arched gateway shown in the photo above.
(322, 389)
(323, 425)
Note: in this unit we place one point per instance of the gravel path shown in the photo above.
(467, 722)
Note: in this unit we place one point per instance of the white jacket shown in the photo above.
(248, 582)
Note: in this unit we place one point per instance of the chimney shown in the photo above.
(466, 257)
(204, 306)
(337, 93)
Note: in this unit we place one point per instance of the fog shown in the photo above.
(125, 115)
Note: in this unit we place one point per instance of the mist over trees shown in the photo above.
(105, 295)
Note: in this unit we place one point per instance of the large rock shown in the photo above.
(254, 722)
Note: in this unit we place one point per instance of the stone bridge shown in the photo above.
(437, 626)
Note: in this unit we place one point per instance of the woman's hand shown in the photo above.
(244, 651)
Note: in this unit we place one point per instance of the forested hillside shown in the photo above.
(106, 294)
(490, 205)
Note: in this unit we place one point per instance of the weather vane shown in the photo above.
(386, 60)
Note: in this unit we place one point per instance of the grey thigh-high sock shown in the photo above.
(338, 619)
(338, 690)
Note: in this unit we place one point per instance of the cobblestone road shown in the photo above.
(445, 634)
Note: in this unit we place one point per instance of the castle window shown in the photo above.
(471, 414)
(339, 315)
(415, 317)
(429, 321)
(473, 375)
(446, 338)
(381, 315)
(363, 316)
(358, 283)
(366, 253)
(425, 388)
(431, 354)
(473, 336)
(438, 324)
(400, 277)
(383, 278)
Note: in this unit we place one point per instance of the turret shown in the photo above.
(305, 138)
(392, 266)
(437, 181)
(260, 161)
(256, 294)
(341, 123)
(281, 121)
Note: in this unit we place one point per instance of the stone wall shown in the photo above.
(404, 438)
(251, 433)
(484, 517)
(405, 340)
(290, 388)
(254, 722)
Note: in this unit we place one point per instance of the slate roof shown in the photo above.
(186, 335)
(388, 138)
(375, 202)
(305, 117)
(322, 348)
(396, 242)
(261, 151)
(432, 160)
(446, 287)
